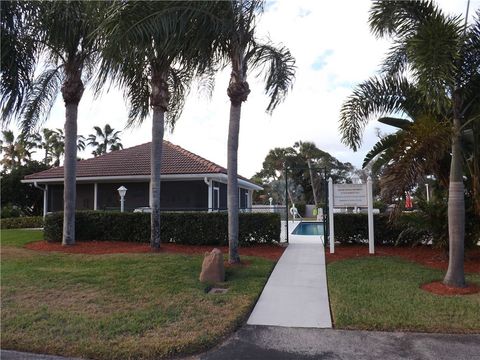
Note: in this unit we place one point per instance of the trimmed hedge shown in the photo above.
(353, 229)
(181, 228)
(22, 222)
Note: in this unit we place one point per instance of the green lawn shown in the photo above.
(117, 306)
(383, 293)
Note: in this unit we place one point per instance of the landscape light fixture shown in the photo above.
(122, 190)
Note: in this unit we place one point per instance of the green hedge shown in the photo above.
(353, 229)
(180, 228)
(22, 222)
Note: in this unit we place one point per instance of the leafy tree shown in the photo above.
(292, 160)
(64, 33)
(104, 140)
(25, 197)
(153, 51)
(244, 51)
(442, 57)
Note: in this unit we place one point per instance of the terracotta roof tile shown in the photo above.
(136, 161)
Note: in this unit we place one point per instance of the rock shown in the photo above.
(212, 267)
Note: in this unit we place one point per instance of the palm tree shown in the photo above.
(308, 151)
(63, 32)
(153, 51)
(17, 151)
(442, 57)
(104, 140)
(244, 52)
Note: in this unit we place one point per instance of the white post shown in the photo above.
(150, 194)
(330, 215)
(371, 240)
(122, 203)
(95, 196)
(45, 201)
(428, 193)
(210, 195)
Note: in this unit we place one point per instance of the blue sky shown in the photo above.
(334, 51)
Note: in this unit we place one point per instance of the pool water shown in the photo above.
(309, 228)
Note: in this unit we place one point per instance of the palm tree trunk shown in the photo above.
(158, 122)
(159, 98)
(456, 213)
(311, 181)
(70, 171)
(72, 91)
(232, 168)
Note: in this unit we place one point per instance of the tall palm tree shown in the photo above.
(244, 51)
(104, 140)
(442, 57)
(63, 32)
(308, 151)
(153, 51)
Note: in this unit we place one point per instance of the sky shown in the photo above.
(334, 51)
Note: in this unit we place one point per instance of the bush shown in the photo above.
(353, 229)
(22, 222)
(10, 211)
(180, 228)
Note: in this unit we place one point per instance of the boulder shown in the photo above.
(212, 267)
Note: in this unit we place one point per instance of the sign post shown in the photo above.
(351, 195)
(330, 215)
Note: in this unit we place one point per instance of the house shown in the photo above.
(188, 182)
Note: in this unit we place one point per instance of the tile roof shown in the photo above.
(136, 161)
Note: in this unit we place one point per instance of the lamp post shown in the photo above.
(122, 190)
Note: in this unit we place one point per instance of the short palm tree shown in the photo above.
(153, 51)
(63, 32)
(442, 56)
(244, 51)
(308, 151)
(104, 140)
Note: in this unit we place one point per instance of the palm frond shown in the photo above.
(388, 142)
(396, 122)
(40, 99)
(278, 64)
(375, 97)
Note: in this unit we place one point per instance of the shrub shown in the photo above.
(22, 222)
(10, 211)
(353, 229)
(181, 228)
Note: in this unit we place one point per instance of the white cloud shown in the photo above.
(335, 31)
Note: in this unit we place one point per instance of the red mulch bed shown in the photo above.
(271, 252)
(439, 288)
(425, 255)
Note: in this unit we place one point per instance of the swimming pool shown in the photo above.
(308, 228)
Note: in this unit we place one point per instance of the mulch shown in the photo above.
(439, 288)
(272, 252)
(425, 255)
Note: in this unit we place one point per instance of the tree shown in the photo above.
(25, 197)
(104, 140)
(244, 52)
(16, 152)
(442, 56)
(64, 33)
(153, 51)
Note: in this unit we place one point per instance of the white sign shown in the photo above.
(350, 195)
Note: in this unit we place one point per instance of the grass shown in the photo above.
(383, 293)
(141, 306)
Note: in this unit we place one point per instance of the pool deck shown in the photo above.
(296, 293)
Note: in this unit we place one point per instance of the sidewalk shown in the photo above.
(296, 293)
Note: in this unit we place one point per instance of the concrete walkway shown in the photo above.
(296, 293)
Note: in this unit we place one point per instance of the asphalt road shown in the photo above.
(280, 343)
